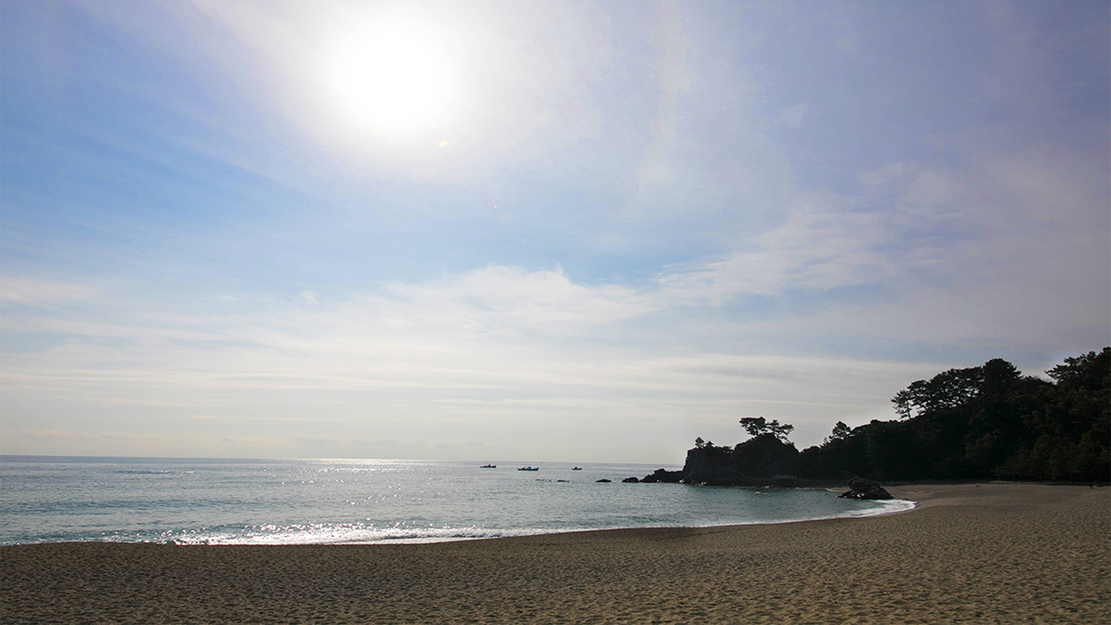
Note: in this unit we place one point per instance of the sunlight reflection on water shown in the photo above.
(353, 501)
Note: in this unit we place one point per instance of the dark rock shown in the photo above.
(603, 481)
(753, 462)
(630, 480)
(863, 488)
(711, 466)
(663, 475)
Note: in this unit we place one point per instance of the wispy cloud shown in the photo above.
(673, 77)
(508, 299)
(793, 116)
(32, 292)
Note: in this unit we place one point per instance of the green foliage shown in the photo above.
(979, 422)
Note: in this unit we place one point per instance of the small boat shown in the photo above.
(489, 466)
(576, 468)
(529, 469)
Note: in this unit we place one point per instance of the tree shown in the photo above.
(757, 426)
(1087, 371)
(980, 422)
(840, 432)
(948, 389)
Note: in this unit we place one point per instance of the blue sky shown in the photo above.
(535, 231)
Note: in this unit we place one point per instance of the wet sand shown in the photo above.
(993, 553)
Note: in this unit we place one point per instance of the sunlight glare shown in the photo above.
(390, 79)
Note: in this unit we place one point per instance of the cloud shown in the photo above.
(811, 252)
(30, 292)
(493, 351)
(500, 299)
(672, 78)
(793, 116)
(847, 42)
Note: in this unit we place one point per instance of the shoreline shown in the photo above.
(966, 553)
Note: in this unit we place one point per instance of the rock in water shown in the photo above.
(630, 480)
(863, 488)
(663, 475)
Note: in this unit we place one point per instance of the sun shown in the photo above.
(390, 78)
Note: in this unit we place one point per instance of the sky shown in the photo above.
(535, 231)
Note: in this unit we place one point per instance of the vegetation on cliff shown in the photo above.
(981, 422)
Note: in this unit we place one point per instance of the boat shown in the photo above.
(576, 468)
(489, 466)
(529, 469)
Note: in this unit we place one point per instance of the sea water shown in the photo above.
(164, 500)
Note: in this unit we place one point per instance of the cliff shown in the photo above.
(756, 460)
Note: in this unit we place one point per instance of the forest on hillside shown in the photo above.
(980, 422)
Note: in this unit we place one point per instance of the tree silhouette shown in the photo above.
(757, 426)
(981, 422)
(840, 432)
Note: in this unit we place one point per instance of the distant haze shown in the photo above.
(534, 230)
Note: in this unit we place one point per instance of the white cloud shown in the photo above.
(31, 292)
(812, 252)
(492, 351)
(793, 116)
(500, 299)
(847, 42)
(673, 77)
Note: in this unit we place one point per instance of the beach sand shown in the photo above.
(989, 553)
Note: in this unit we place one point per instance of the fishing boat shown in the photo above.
(489, 466)
(529, 469)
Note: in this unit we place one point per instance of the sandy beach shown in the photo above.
(989, 553)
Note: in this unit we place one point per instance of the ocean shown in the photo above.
(208, 501)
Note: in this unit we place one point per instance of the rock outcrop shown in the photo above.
(863, 488)
(755, 461)
(663, 475)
